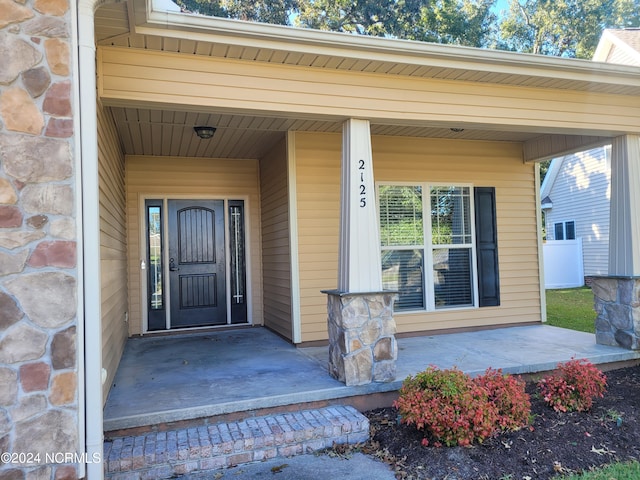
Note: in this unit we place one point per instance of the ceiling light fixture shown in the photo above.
(204, 132)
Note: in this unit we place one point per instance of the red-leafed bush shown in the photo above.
(455, 409)
(574, 387)
(508, 394)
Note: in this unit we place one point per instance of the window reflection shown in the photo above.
(154, 219)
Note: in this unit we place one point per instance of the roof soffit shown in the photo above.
(263, 42)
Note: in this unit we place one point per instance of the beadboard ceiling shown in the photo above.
(163, 132)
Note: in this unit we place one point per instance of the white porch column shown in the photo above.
(624, 228)
(359, 268)
(617, 296)
(362, 343)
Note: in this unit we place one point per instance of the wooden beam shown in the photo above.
(159, 79)
(547, 147)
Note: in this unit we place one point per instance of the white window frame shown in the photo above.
(427, 246)
(564, 229)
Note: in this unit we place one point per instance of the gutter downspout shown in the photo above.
(90, 235)
(543, 291)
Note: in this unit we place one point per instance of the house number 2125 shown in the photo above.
(363, 189)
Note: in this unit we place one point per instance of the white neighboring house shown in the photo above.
(619, 46)
(576, 192)
(575, 198)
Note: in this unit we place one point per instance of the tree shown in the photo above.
(266, 11)
(462, 22)
(544, 169)
(570, 28)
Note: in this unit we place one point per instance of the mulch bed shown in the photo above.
(555, 444)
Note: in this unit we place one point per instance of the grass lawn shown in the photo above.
(571, 308)
(618, 471)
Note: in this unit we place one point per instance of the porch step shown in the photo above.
(167, 454)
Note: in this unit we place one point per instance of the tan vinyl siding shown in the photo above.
(113, 246)
(180, 177)
(318, 203)
(191, 81)
(276, 253)
(496, 164)
(581, 193)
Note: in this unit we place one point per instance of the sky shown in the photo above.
(501, 5)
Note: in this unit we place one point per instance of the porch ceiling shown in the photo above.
(144, 131)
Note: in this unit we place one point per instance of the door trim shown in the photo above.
(144, 293)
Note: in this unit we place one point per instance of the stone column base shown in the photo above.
(617, 304)
(362, 343)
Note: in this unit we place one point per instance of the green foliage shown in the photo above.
(267, 11)
(462, 22)
(574, 387)
(401, 221)
(450, 215)
(568, 28)
(544, 168)
(550, 27)
(455, 409)
(571, 308)
(617, 471)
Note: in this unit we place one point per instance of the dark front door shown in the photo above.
(196, 263)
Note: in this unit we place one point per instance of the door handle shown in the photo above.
(172, 265)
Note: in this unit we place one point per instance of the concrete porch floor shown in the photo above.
(173, 378)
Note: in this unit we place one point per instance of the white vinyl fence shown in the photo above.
(563, 263)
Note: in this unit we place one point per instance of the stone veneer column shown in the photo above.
(362, 344)
(38, 262)
(617, 305)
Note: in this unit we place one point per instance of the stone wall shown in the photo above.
(617, 305)
(362, 342)
(38, 261)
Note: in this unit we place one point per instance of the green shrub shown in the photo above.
(455, 409)
(574, 387)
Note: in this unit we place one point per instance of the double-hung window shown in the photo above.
(428, 244)
(452, 249)
(402, 234)
(564, 230)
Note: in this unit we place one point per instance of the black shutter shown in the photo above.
(487, 247)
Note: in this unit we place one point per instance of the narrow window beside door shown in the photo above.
(154, 265)
(238, 263)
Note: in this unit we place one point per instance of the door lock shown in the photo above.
(172, 265)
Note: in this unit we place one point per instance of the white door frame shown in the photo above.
(142, 227)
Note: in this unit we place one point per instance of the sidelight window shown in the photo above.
(238, 262)
(154, 265)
